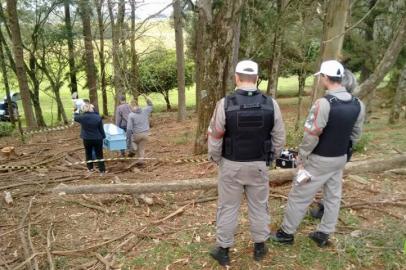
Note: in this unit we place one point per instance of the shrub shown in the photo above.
(294, 137)
(158, 72)
(361, 145)
(6, 129)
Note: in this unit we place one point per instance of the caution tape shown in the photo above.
(168, 160)
(17, 167)
(43, 130)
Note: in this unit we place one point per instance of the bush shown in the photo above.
(6, 129)
(158, 72)
(361, 145)
(294, 137)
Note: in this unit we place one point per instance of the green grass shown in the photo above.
(287, 88)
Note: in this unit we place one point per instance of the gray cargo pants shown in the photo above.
(327, 175)
(235, 178)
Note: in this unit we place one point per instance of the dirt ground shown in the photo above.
(120, 232)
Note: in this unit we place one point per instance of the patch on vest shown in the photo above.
(248, 120)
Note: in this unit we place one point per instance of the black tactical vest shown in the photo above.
(335, 139)
(249, 122)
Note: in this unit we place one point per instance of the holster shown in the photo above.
(349, 151)
(268, 152)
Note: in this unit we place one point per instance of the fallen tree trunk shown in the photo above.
(277, 177)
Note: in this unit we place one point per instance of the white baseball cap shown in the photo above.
(247, 67)
(331, 68)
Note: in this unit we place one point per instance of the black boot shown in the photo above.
(221, 255)
(260, 251)
(281, 237)
(318, 211)
(320, 238)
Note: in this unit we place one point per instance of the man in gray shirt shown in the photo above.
(138, 128)
(122, 112)
(334, 121)
(246, 128)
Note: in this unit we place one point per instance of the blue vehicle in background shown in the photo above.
(4, 108)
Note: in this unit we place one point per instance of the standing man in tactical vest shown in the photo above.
(334, 121)
(246, 130)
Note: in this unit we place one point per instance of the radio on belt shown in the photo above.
(287, 159)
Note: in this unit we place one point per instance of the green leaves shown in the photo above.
(158, 71)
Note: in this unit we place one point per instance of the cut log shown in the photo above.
(277, 177)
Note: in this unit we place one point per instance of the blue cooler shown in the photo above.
(115, 138)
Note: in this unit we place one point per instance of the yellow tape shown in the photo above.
(169, 160)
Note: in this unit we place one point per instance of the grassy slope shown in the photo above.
(158, 33)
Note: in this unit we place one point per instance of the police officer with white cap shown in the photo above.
(335, 121)
(245, 131)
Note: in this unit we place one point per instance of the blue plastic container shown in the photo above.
(115, 138)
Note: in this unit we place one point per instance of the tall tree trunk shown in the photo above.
(302, 83)
(90, 65)
(71, 48)
(399, 98)
(221, 20)
(180, 59)
(134, 76)
(199, 55)
(59, 103)
(367, 88)
(274, 63)
(367, 67)
(102, 60)
(333, 36)
(7, 85)
(116, 37)
(235, 54)
(37, 105)
(33, 74)
(19, 63)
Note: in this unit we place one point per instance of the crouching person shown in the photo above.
(92, 133)
(138, 129)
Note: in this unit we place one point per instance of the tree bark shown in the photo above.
(217, 45)
(367, 67)
(167, 100)
(33, 74)
(180, 59)
(71, 48)
(19, 63)
(90, 65)
(333, 36)
(277, 177)
(235, 53)
(399, 98)
(102, 60)
(273, 71)
(302, 83)
(368, 87)
(134, 77)
(199, 55)
(116, 37)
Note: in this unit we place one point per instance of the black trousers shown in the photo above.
(97, 147)
(123, 151)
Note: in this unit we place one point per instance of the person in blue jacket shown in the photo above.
(92, 133)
